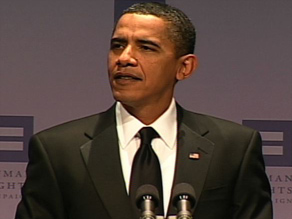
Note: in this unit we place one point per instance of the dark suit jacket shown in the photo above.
(75, 171)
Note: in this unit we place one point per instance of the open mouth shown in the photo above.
(126, 77)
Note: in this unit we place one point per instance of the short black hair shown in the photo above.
(181, 30)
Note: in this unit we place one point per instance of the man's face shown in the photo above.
(142, 63)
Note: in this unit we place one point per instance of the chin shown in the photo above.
(126, 101)
(122, 98)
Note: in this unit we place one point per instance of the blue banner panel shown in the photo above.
(277, 141)
(15, 132)
(121, 5)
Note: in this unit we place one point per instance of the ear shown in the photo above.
(188, 64)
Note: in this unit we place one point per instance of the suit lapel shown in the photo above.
(191, 140)
(101, 155)
(102, 158)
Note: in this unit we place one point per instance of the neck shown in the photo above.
(147, 114)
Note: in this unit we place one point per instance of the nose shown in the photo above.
(127, 57)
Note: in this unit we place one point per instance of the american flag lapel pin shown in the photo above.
(194, 156)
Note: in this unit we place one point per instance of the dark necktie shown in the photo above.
(146, 169)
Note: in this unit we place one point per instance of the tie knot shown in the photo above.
(147, 134)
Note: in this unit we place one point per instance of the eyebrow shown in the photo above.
(140, 41)
(118, 40)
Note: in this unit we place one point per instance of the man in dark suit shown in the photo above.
(82, 169)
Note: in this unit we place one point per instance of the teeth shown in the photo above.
(125, 77)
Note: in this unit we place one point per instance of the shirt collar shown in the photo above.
(165, 125)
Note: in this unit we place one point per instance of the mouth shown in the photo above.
(127, 77)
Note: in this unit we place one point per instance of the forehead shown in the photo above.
(141, 25)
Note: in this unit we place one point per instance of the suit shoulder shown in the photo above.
(215, 123)
(76, 125)
(77, 131)
(223, 132)
(85, 124)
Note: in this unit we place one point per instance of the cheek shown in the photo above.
(159, 71)
(111, 57)
(110, 63)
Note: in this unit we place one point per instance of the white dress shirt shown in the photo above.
(165, 146)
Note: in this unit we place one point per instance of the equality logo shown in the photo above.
(15, 132)
(277, 141)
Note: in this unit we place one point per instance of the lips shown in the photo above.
(126, 76)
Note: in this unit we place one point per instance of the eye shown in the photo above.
(147, 48)
(116, 45)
